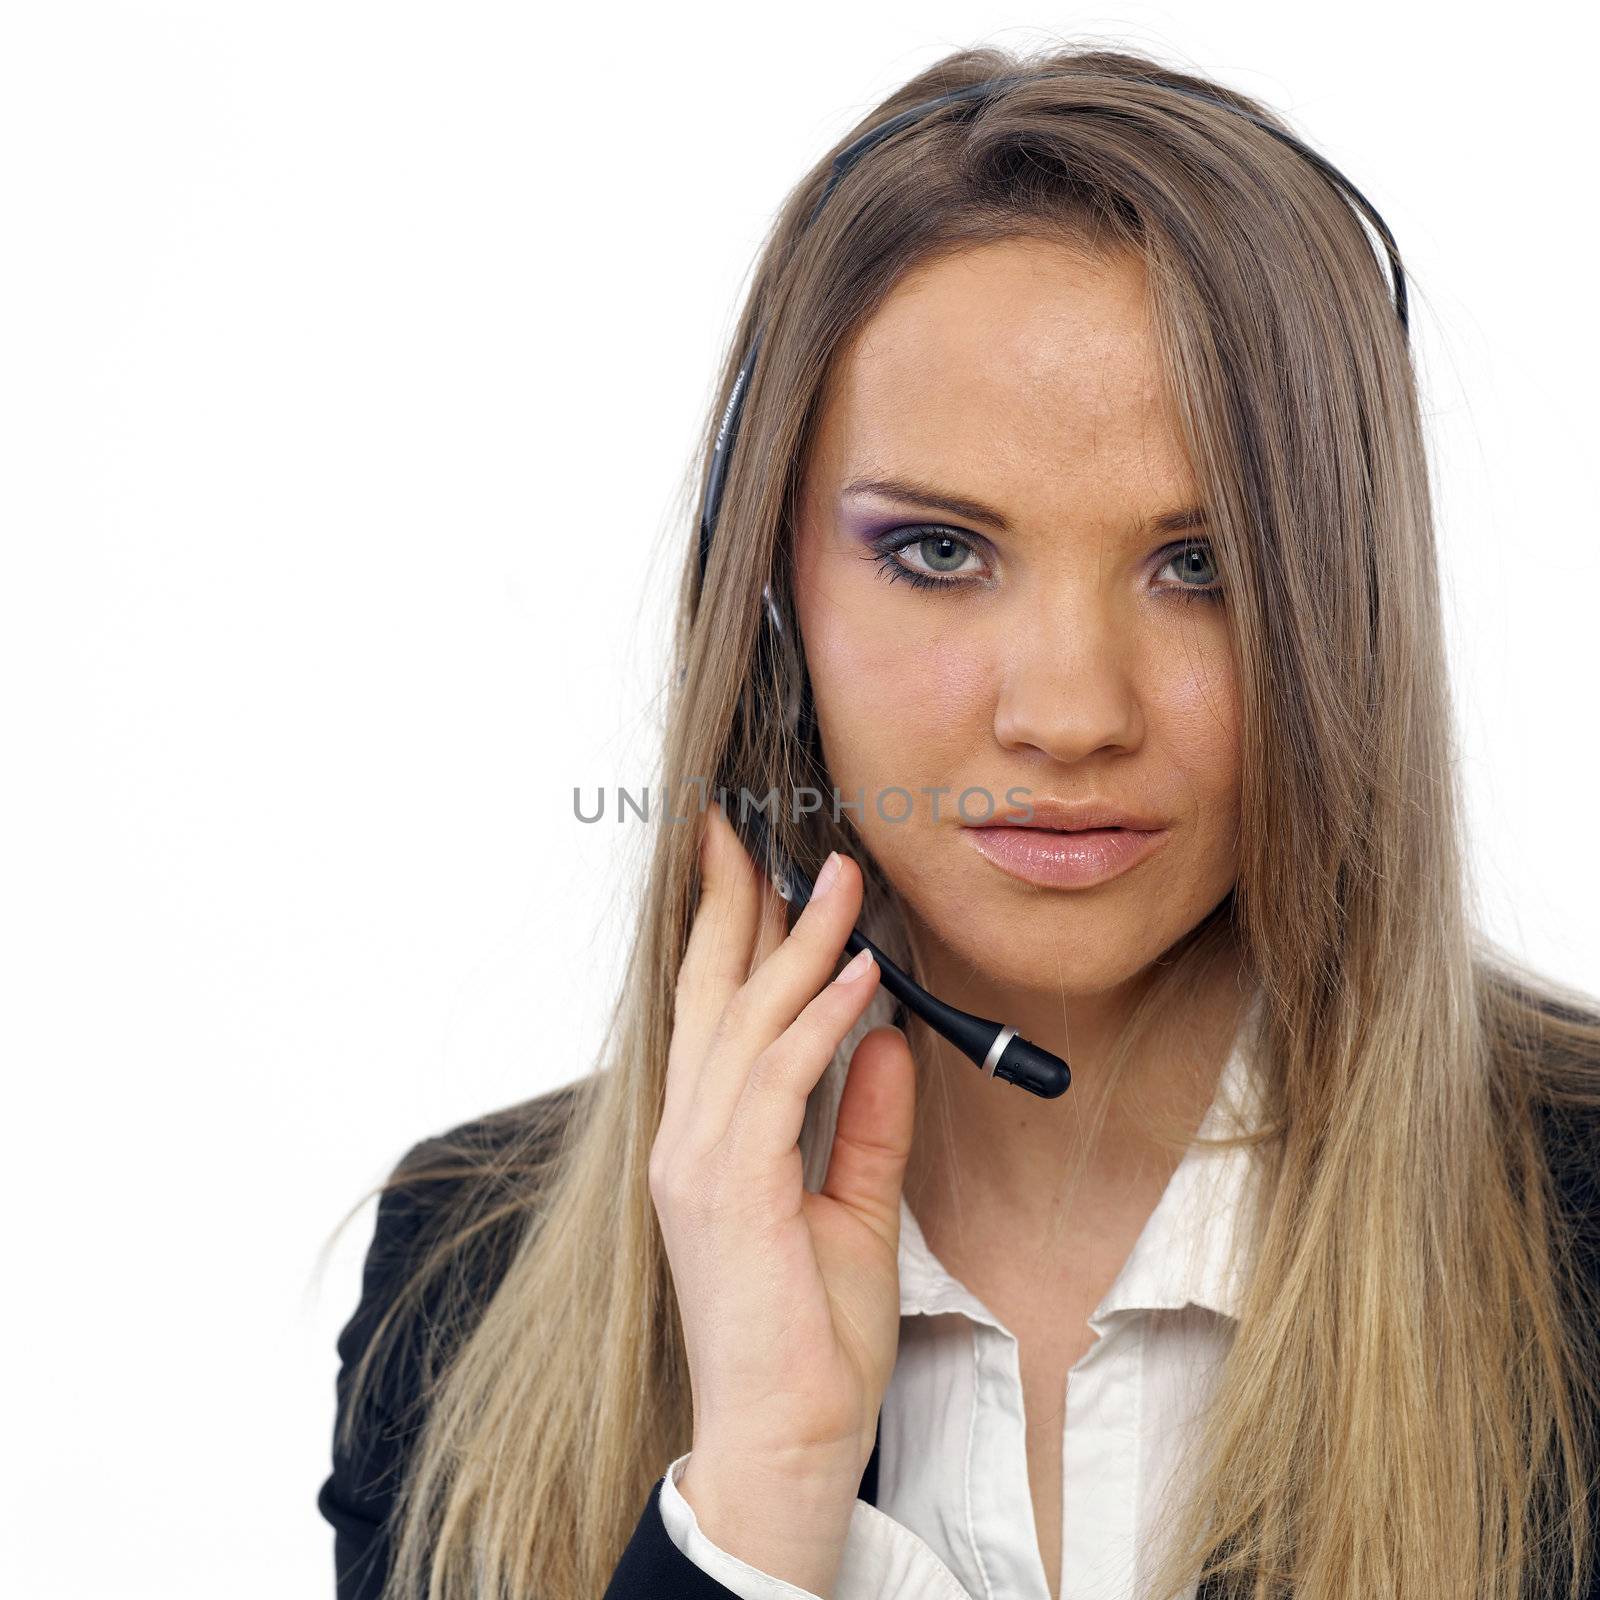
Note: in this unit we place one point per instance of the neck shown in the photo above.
(1109, 1140)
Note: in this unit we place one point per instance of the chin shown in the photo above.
(1077, 943)
(1036, 943)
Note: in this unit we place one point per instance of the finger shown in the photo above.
(766, 1123)
(873, 1131)
(776, 993)
(717, 957)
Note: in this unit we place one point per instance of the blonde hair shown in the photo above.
(1407, 1408)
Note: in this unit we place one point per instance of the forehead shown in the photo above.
(1025, 368)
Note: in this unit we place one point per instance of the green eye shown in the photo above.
(1194, 560)
(942, 551)
(939, 548)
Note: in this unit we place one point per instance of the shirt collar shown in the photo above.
(1183, 1256)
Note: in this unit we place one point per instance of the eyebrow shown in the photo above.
(976, 511)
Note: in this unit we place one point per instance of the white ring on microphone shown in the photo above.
(997, 1049)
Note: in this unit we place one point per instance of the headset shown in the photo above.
(996, 1048)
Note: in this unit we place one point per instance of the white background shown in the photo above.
(352, 359)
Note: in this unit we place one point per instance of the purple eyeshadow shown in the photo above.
(866, 526)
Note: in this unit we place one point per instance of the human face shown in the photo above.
(1072, 653)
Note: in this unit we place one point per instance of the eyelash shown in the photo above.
(887, 547)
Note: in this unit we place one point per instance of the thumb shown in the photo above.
(872, 1135)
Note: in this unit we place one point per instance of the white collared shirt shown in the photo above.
(954, 1515)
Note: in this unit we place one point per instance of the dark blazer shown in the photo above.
(357, 1496)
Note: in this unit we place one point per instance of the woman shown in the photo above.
(1081, 469)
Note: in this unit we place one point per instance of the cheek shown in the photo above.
(1195, 715)
(893, 703)
(887, 671)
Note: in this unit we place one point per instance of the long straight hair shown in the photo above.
(1406, 1409)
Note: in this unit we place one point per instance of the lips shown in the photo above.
(1076, 816)
(1061, 858)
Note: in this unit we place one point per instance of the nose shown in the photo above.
(1069, 681)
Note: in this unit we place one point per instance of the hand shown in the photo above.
(790, 1300)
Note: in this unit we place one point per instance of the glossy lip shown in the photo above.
(1074, 816)
(1064, 860)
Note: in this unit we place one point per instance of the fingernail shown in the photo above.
(828, 876)
(858, 967)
